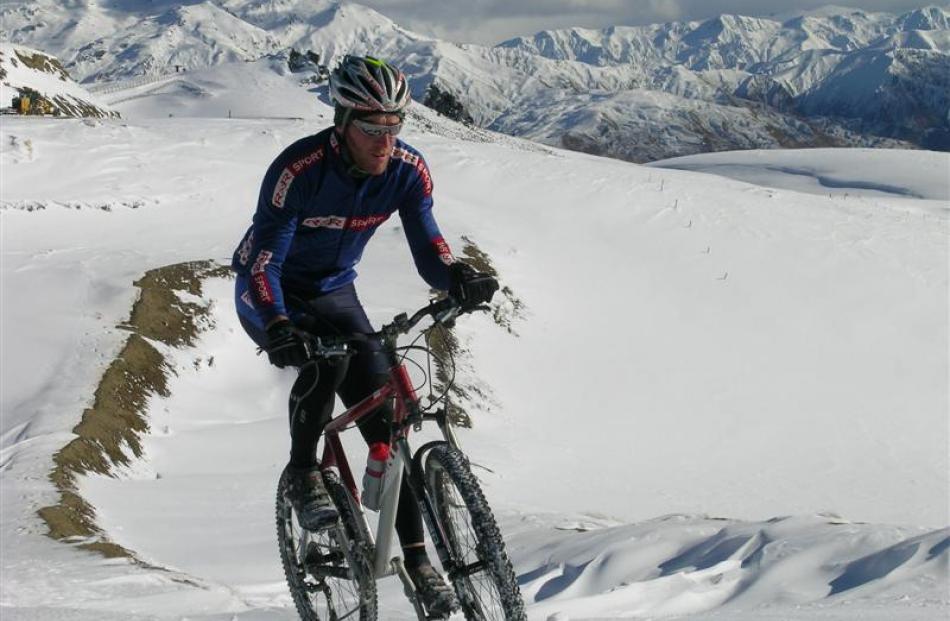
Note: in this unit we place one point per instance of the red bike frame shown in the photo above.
(398, 385)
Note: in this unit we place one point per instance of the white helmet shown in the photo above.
(368, 85)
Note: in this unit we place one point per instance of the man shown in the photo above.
(320, 202)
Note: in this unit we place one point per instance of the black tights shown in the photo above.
(311, 406)
(311, 402)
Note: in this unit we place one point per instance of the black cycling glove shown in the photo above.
(469, 287)
(286, 345)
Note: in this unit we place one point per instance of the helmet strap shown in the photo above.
(349, 165)
(342, 115)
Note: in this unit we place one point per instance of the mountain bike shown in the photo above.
(332, 573)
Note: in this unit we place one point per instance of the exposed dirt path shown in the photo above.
(109, 432)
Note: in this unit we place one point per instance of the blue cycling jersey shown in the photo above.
(313, 221)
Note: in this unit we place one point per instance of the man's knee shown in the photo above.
(311, 397)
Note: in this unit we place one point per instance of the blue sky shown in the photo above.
(492, 21)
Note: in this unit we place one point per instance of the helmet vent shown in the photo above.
(365, 83)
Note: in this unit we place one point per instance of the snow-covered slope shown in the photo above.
(881, 172)
(834, 78)
(697, 359)
(260, 89)
(23, 70)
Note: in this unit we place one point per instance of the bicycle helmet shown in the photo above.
(365, 85)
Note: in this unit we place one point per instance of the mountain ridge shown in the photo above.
(836, 77)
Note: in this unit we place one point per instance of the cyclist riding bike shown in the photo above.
(320, 202)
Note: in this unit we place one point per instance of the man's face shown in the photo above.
(371, 153)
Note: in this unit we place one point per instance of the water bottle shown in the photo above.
(373, 477)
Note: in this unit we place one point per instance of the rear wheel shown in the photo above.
(329, 572)
(483, 578)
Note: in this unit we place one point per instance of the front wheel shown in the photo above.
(483, 578)
(329, 572)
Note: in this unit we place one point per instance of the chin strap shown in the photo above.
(351, 168)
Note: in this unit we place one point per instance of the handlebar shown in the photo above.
(442, 311)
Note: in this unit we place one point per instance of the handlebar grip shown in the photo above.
(443, 305)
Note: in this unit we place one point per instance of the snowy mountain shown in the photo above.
(875, 74)
(24, 71)
(833, 77)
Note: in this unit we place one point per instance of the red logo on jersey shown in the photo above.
(406, 156)
(361, 224)
(414, 160)
(341, 222)
(442, 249)
(281, 188)
(426, 178)
(306, 162)
(325, 222)
(262, 291)
(263, 258)
(287, 176)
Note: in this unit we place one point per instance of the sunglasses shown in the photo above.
(375, 131)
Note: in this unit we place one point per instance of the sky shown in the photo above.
(493, 21)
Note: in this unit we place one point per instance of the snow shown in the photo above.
(866, 173)
(264, 93)
(723, 401)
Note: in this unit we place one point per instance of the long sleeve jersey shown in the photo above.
(313, 221)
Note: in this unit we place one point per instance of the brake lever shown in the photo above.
(319, 349)
(402, 322)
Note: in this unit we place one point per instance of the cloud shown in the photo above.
(492, 21)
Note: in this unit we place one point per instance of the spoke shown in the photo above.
(477, 581)
(326, 572)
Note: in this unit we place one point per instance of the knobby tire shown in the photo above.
(488, 591)
(330, 572)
